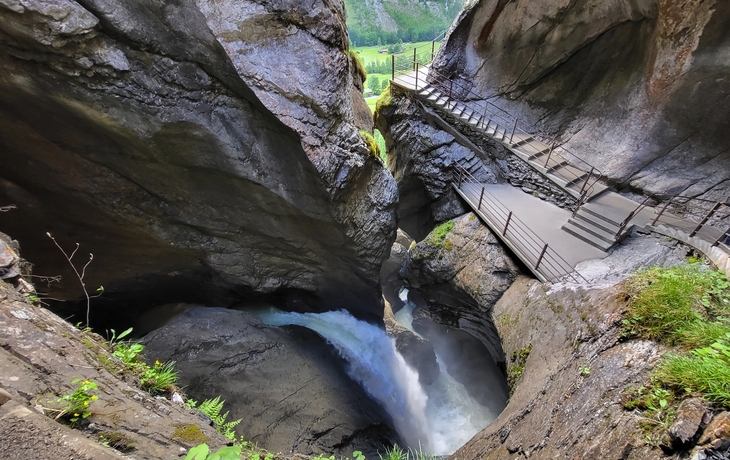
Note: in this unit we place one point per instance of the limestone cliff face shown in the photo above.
(131, 128)
(639, 89)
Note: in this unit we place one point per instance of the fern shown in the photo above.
(212, 409)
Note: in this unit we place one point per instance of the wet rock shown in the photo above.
(418, 353)
(462, 277)
(688, 421)
(231, 354)
(40, 355)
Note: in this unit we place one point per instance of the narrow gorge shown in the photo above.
(193, 186)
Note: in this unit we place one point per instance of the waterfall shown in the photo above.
(438, 418)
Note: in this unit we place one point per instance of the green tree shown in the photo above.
(374, 84)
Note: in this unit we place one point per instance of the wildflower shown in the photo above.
(86, 403)
(76, 415)
(157, 363)
(94, 398)
(86, 382)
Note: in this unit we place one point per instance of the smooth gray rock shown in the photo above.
(637, 89)
(131, 129)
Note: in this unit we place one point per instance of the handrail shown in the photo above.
(527, 244)
(494, 114)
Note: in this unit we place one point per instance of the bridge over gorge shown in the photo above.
(549, 240)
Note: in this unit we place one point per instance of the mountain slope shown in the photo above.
(373, 22)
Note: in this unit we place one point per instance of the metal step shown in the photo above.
(589, 238)
(539, 154)
(598, 232)
(593, 221)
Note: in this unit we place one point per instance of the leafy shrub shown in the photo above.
(202, 452)
(76, 404)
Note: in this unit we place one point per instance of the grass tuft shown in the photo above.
(686, 307)
(438, 235)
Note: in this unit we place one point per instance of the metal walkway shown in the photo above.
(601, 217)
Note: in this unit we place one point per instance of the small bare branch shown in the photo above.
(81, 275)
(8, 208)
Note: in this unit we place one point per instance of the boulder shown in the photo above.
(687, 422)
(462, 277)
(233, 355)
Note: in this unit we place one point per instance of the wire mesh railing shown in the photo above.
(540, 258)
(555, 160)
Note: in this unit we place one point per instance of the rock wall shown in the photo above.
(132, 129)
(638, 89)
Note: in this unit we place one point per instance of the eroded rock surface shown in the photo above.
(638, 89)
(569, 394)
(130, 128)
(289, 387)
(462, 278)
(40, 355)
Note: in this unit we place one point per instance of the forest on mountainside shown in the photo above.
(382, 22)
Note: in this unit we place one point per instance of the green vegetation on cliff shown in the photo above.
(687, 308)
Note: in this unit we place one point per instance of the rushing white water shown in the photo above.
(438, 419)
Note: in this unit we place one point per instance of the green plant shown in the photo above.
(161, 377)
(212, 409)
(77, 403)
(202, 452)
(585, 371)
(517, 367)
(383, 101)
(438, 235)
(673, 306)
(394, 453)
(370, 142)
(359, 67)
(130, 354)
(705, 371)
(190, 403)
(116, 338)
(189, 433)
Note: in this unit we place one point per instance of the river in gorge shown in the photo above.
(437, 418)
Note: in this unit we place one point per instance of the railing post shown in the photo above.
(542, 254)
(392, 66)
(486, 107)
(433, 49)
(722, 238)
(414, 58)
(587, 179)
(509, 217)
(705, 219)
(481, 195)
(514, 127)
(416, 76)
(664, 208)
(451, 87)
(552, 147)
